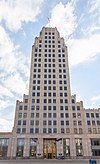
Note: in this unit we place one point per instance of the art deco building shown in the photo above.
(49, 122)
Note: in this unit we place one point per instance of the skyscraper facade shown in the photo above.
(49, 122)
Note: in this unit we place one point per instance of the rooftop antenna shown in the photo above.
(49, 21)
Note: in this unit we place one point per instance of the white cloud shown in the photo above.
(95, 98)
(15, 12)
(16, 84)
(4, 104)
(83, 49)
(94, 5)
(5, 92)
(14, 70)
(5, 125)
(62, 17)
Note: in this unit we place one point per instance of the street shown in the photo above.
(45, 161)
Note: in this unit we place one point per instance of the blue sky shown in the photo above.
(78, 21)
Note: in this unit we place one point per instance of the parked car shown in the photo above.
(61, 157)
(92, 161)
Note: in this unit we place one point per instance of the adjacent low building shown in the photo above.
(49, 122)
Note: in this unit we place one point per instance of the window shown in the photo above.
(44, 123)
(20, 115)
(45, 100)
(49, 130)
(92, 115)
(54, 88)
(32, 122)
(74, 122)
(37, 115)
(73, 101)
(88, 122)
(54, 115)
(49, 122)
(73, 107)
(34, 81)
(54, 101)
(62, 130)
(54, 122)
(37, 108)
(24, 122)
(54, 130)
(80, 131)
(79, 122)
(54, 94)
(33, 94)
(19, 122)
(66, 101)
(32, 107)
(37, 123)
(61, 107)
(49, 115)
(67, 130)
(20, 107)
(98, 122)
(67, 123)
(49, 100)
(18, 130)
(93, 122)
(32, 115)
(67, 115)
(61, 100)
(62, 115)
(54, 107)
(31, 130)
(36, 130)
(49, 87)
(87, 115)
(66, 107)
(78, 107)
(74, 115)
(38, 87)
(45, 108)
(49, 108)
(44, 130)
(65, 94)
(54, 82)
(23, 130)
(62, 122)
(25, 115)
(61, 94)
(65, 88)
(33, 100)
(79, 115)
(45, 87)
(97, 115)
(44, 115)
(38, 100)
(38, 93)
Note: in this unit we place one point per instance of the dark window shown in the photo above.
(66, 107)
(92, 115)
(87, 115)
(73, 107)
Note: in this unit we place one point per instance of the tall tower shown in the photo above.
(49, 123)
(49, 90)
(44, 120)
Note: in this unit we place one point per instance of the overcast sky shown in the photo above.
(78, 21)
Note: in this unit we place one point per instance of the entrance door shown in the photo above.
(49, 148)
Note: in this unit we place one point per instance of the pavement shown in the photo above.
(46, 161)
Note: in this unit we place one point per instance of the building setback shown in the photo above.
(49, 122)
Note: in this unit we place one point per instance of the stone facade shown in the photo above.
(49, 122)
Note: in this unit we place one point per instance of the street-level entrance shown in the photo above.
(49, 148)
